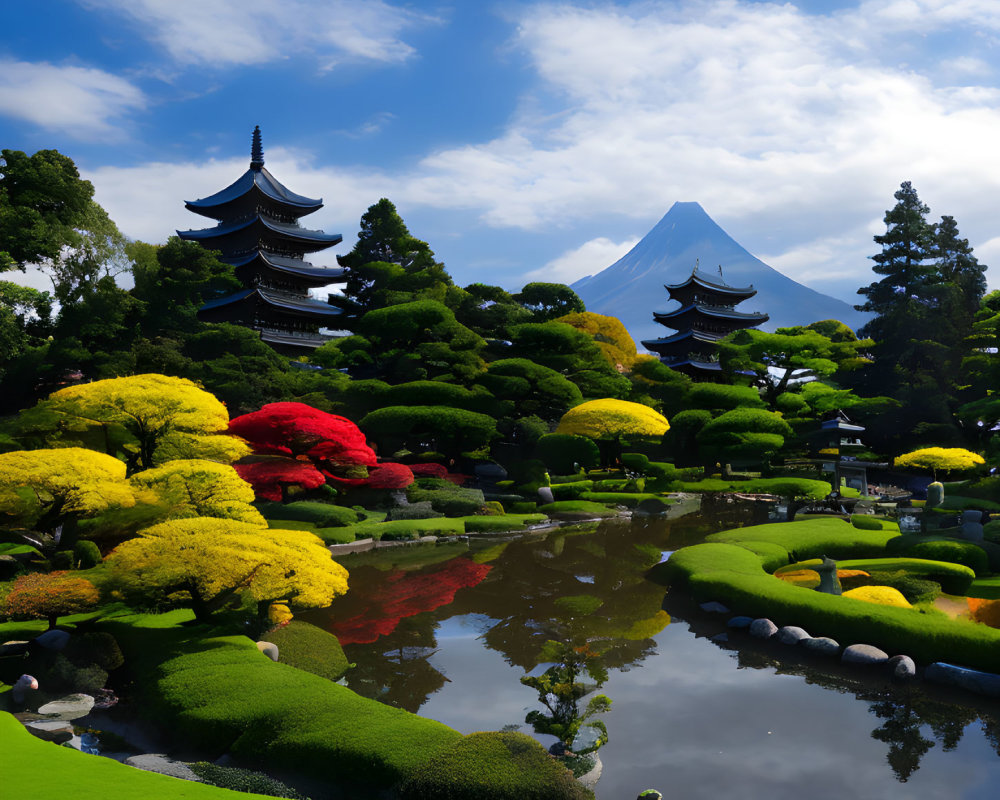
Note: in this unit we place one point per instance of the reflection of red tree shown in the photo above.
(402, 594)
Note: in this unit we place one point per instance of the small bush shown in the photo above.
(881, 595)
(493, 766)
(627, 499)
(444, 496)
(522, 507)
(95, 648)
(507, 522)
(86, 554)
(335, 535)
(865, 522)
(941, 549)
(560, 452)
(243, 780)
(571, 491)
(309, 648)
(576, 507)
(421, 510)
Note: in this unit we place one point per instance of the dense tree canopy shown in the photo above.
(198, 488)
(50, 596)
(609, 334)
(216, 560)
(946, 459)
(608, 418)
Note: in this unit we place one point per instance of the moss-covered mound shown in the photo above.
(309, 648)
(724, 569)
(220, 694)
(493, 766)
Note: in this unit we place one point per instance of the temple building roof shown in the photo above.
(256, 180)
(256, 228)
(684, 336)
(294, 304)
(308, 274)
(736, 319)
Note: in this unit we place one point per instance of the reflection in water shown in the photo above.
(589, 588)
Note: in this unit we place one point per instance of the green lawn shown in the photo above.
(36, 769)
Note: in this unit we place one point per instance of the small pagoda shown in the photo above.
(706, 314)
(259, 234)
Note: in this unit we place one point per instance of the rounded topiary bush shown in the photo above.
(86, 554)
(493, 766)
(865, 522)
(951, 550)
(562, 452)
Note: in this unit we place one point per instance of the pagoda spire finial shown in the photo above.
(256, 150)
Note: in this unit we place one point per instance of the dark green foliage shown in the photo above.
(418, 428)
(524, 388)
(220, 694)
(435, 393)
(87, 677)
(744, 433)
(446, 497)
(493, 766)
(309, 648)
(954, 578)
(322, 515)
(86, 554)
(243, 780)
(573, 353)
(490, 311)
(566, 453)
(954, 551)
(581, 507)
(666, 387)
(913, 588)
(720, 397)
(865, 522)
(546, 301)
(95, 647)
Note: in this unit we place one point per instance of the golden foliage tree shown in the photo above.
(50, 596)
(609, 334)
(215, 561)
(45, 489)
(945, 459)
(607, 418)
(199, 488)
(147, 418)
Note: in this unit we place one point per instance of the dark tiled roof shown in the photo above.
(262, 180)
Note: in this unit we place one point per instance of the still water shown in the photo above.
(448, 631)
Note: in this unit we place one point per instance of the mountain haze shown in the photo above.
(632, 288)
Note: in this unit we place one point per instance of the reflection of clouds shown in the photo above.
(483, 693)
(692, 724)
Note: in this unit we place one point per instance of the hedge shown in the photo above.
(939, 548)
(571, 491)
(34, 768)
(812, 538)
(954, 578)
(446, 497)
(493, 766)
(322, 515)
(309, 648)
(627, 499)
(499, 524)
(576, 507)
(734, 576)
(220, 694)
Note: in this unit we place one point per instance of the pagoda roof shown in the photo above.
(694, 364)
(711, 311)
(696, 278)
(697, 336)
(302, 236)
(263, 182)
(294, 339)
(293, 266)
(279, 300)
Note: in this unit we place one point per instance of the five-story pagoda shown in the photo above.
(706, 314)
(260, 236)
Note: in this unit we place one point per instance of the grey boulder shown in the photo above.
(72, 706)
(51, 730)
(822, 646)
(155, 762)
(863, 654)
(54, 639)
(903, 668)
(763, 628)
(739, 622)
(790, 634)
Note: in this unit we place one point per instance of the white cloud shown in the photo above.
(242, 32)
(82, 102)
(587, 259)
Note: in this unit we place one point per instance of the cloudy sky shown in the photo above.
(529, 139)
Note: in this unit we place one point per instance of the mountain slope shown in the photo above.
(632, 288)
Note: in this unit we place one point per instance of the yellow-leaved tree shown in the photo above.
(612, 419)
(198, 488)
(48, 491)
(212, 562)
(146, 419)
(609, 334)
(946, 459)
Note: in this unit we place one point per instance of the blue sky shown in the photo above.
(529, 140)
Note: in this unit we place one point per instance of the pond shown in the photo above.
(448, 631)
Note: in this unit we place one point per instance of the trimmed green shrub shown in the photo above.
(446, 497)
(576, 507)
(309, 648)
(86, 554)
(243, 780)
(865, 522)
(322, 515)
(450, 429)
(787, 487)
(493, 766)
(723, 397)
(560, 451)
(938, 548)
(522, 507)
(499, 524)
(627, 499)
(956, 503)
(571, 491)
(914, 589)
(409, 528)
(218, 693)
